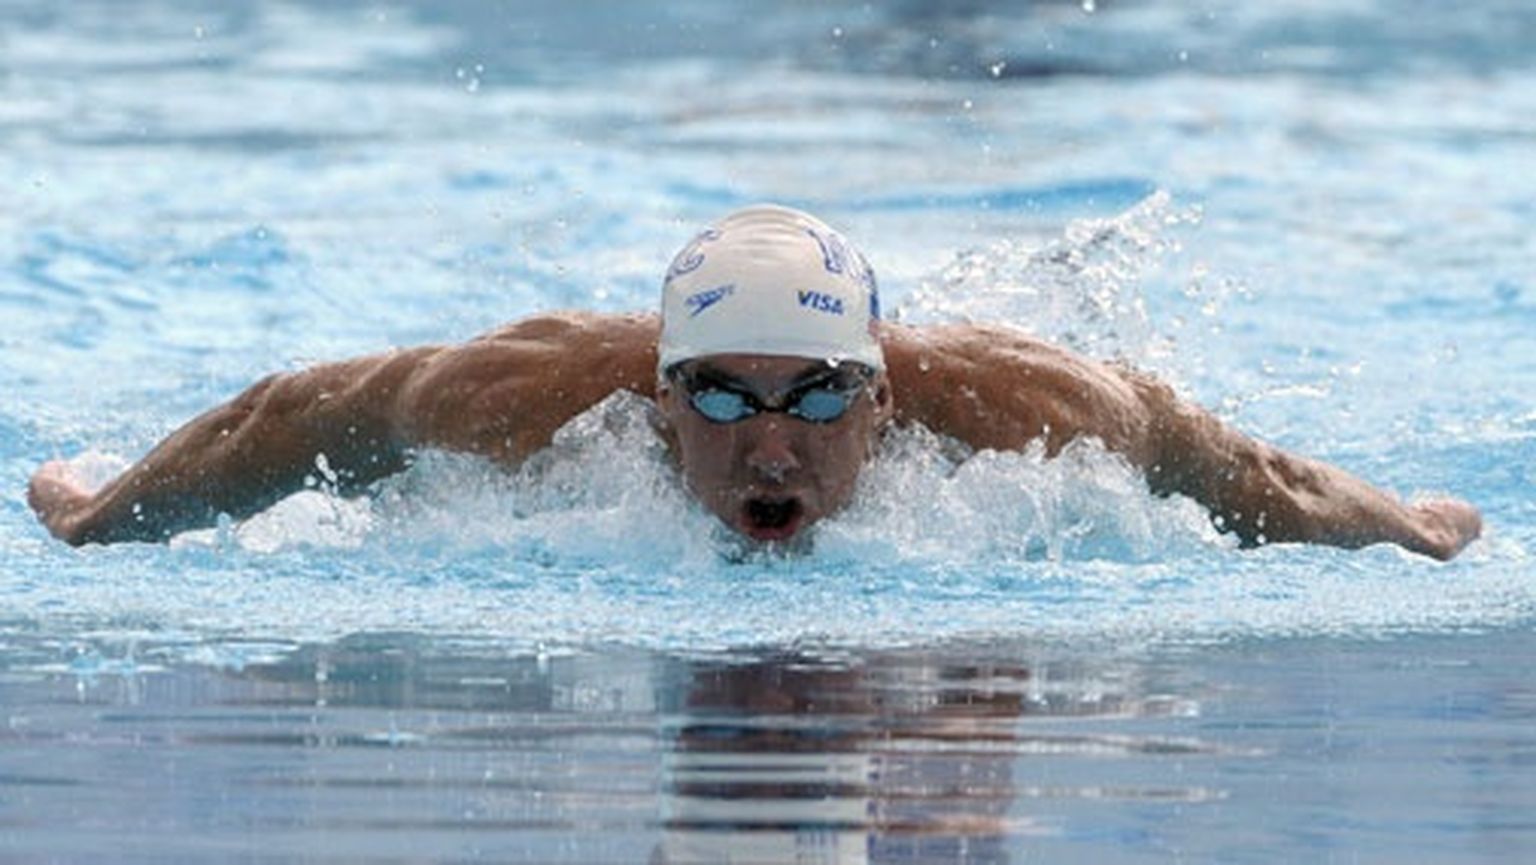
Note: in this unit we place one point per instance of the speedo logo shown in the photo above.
(700, 301)
(821, 302)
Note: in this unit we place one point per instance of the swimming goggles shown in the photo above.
(823, 399)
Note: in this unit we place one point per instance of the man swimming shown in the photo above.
(773, 377)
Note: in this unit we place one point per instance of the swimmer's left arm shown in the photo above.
(994, 387)
(1266, 495)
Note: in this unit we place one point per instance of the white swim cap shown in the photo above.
(770, 280)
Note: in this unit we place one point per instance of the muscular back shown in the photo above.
(505, 394)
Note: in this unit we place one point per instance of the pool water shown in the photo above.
(1314, 218)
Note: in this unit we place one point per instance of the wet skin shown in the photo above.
(504, 394)
(772, 475)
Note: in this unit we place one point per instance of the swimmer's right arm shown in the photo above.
(348, 424)
(240, 457)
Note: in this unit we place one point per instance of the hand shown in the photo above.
(1446, 526)
(58, 499)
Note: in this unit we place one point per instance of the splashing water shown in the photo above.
(1082, 291)
(595, 538)
(606, 481)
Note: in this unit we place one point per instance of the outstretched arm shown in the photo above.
(349, 424)
(333, 421)
(1264, 494)
(994, 387)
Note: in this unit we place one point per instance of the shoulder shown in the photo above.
(994, 386)
(566, 328)
(553, 348)
(505, 392)
(968, 343)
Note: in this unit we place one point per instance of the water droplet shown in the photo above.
(1090, 6)
(837, 32)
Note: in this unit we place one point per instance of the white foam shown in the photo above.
(1082, 291)
(596, 543)
(605, 494)
(927, 499)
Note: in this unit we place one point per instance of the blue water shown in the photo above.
(1316, 219)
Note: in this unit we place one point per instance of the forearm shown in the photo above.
(1264, 495)
(330, 424)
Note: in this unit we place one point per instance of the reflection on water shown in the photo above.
(390, 748)
(353, 749)
(787, 759)
(875, 759)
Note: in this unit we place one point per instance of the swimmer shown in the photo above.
(773, 377)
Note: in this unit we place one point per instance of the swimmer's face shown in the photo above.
(771, 474)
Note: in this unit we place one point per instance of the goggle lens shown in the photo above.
(821, 404)
(722, 406)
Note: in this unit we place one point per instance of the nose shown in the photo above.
(770, 453)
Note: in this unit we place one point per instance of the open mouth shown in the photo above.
(772, 519)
